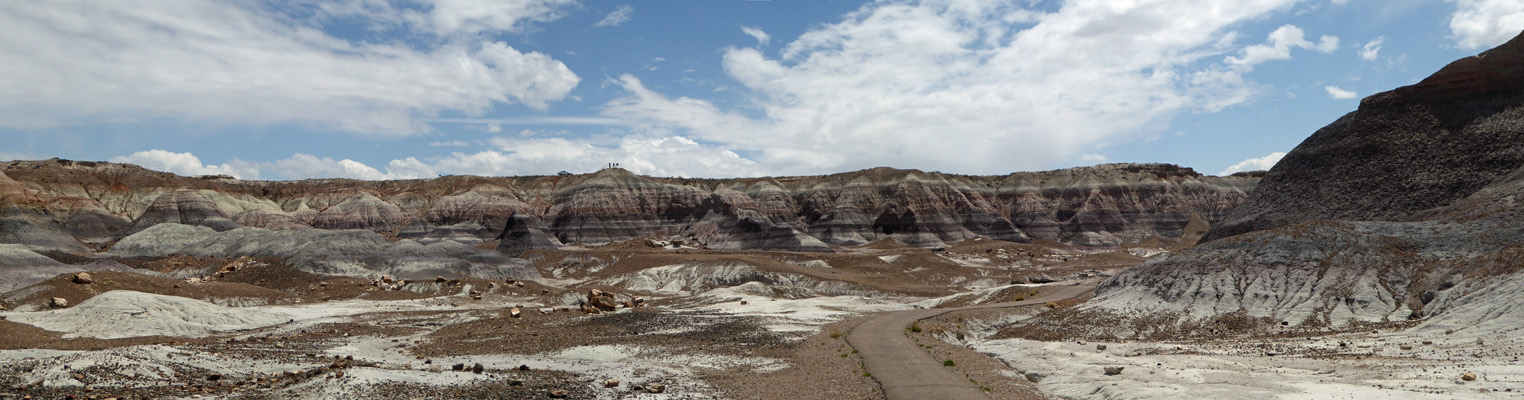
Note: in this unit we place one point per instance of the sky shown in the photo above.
(401, 89)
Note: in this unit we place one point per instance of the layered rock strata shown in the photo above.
(1101, 205)
(1404, 209)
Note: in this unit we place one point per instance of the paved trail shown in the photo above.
(905, 371)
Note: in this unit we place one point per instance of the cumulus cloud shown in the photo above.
(247, 63)
(1254, 164)
(1486, 23)
(1279, 46)
(975, 87)
(757, 33)
(616, 17)
(187, 164)
(304, 166)
(1092, 157)
(1372, 49)
(643, 153)
(649, 154)
(1339, 93)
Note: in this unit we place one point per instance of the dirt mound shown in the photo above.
(123, 314)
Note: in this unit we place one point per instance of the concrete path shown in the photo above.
(907, 372)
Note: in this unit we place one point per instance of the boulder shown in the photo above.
(1468, 377)
(611, 383)
(59, 302)
(83, 278)
(1113, 370)
(514, 312)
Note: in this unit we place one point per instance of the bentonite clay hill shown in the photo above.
(48, 202)
(1404, 210)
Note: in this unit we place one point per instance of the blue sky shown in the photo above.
(387, 89)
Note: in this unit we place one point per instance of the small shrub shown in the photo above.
(836, 335)
(916, 327)
(949, 363)
(1020, 297)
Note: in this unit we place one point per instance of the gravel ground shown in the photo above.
(821, 366)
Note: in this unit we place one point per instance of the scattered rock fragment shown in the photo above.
(523, 367)
(477, 369)
(654, 388)
(83, 278)
(514, 312)
(611, 383)
(1113, 370)
(214, 377)
(1468, 377)
(458, 367)
(557, 394)
(1100, 347)
(515, 382)
(439, 279)
(59, 302)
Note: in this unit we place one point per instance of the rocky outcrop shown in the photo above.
(1402, 152)
(523, 233)
(186, 207)
(34, 229)
(361, 211)
(1101, 205)
(1404, 209)
(475, 216)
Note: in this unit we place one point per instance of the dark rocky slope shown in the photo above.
(1406, 209)
(1402, 152)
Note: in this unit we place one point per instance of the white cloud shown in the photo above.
(649, 154)
(494, 127)
(187, 164)
(618, 16)
(245, 63)
(1254, 164)
(757, 33)
(15, 156)
(1092, 157)
(305, 166)
(1486, 23)
(1279, 47)
(441, 18)
(970, 86)
(643, 153)
(1339, 93)
(452, 143)
(1372, 49)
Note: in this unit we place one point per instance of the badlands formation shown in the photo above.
(1381, 258)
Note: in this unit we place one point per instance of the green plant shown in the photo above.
(916, 327)
(835, 335)
(949, 363)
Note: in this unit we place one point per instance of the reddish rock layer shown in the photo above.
(1101, 205)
